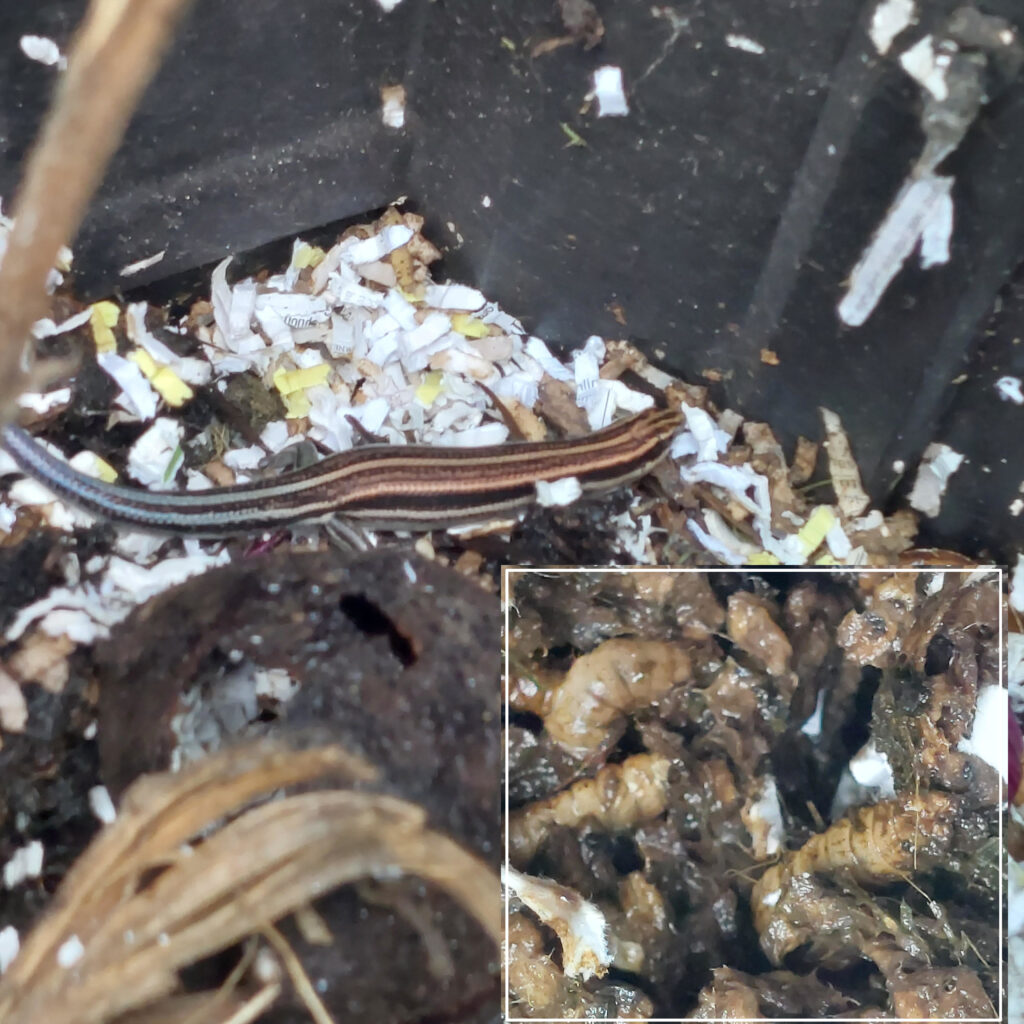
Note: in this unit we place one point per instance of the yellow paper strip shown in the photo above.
(104, 316)
(430, 388)
(288, 382)
(168, 385)
(812, 533)
(469, 326)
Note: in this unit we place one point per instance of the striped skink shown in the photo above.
(380, 486)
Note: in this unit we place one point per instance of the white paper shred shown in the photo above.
(927, 67)
(454, 296)
(634, 536)
(1017, 585)
(42, 404)
(25, 863)
(579, 924)
(748, 488)
(1009, 390)
(244, 459)
(101, 805)
(812, 725)
(43, 50)
(376, 247)
(871, 769)
(838, 543)
(938, 463)
(152, 457)
(988, 737)
(888, 20)
(189, 369)
(586, 367)
(722, 550)
(124, 578)
(392, 106)
(137, 395)
(558, 493)
(850, 493)
(46, 328)
(130, 269)
(538, 350)
(923, 206)
(745, 43)
(766, 812)
(10, 944)
(608, 91)
(703, 437)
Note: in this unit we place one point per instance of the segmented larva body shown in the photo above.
(881, 841)
(619, 796)
(878, 843)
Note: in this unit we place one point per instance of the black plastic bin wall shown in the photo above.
(721, 216)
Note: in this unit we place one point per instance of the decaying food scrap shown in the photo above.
(723, 820)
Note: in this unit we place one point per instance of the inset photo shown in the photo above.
(754, 794)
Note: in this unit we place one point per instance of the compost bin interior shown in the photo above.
(720, 217)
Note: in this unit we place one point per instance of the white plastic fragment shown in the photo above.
(10, 944)
(558, 493)
(608, 91)
(579, 924)
(70, 952)
(923, 206)
(938, 463)
(888, 20)
(26, 862)
(101, 805)
(988, 736)
(1009, 390)
(745, 43)
(43, 50)
(387, 6)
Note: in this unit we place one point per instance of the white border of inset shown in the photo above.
(508, 571)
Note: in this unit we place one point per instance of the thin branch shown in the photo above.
(115, 53)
